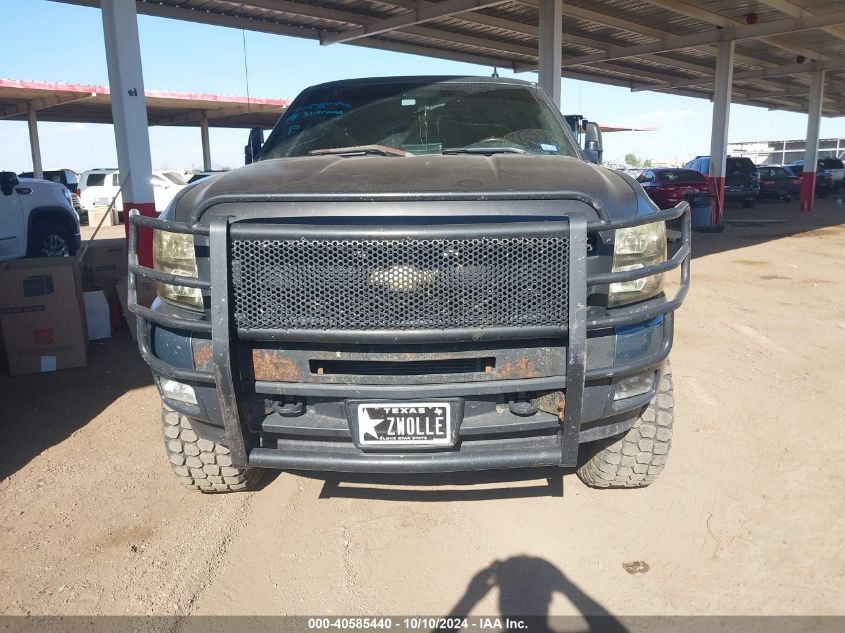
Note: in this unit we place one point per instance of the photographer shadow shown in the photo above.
(526, 586)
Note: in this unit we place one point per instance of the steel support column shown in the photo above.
(550, 36)
(719, 127)
(811, 151)
(34, 143)
(129, 112)
(206, 144)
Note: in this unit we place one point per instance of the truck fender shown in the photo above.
(53, 215)
(57, 215)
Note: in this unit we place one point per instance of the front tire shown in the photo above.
(51, 240)
(201, 464)
(748, 204)
(636, 458)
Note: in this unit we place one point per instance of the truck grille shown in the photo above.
(400, 284)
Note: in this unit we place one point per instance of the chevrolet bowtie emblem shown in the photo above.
(402, 278)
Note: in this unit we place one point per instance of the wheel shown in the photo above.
(787, 198)
(635, 458)
(202, 464)
(748, 204)
(50, 240)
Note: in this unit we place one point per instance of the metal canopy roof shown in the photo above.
(665, 45)
(92, 104)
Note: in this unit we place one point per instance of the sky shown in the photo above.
(50, 41)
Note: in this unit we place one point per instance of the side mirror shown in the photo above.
(593, 147)
(8, 182)
(253, 146)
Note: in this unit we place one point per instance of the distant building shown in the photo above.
(666, 162)
(784, 152)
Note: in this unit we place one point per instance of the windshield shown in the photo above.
(174, 178)
(681, 175)
(740, 166)
(419, 118)
(774, 172)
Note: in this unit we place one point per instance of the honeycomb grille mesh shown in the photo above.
(400, 284)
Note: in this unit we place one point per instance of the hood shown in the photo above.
(436, 174)
(44, 184)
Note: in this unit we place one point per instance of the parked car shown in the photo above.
(836, 168)
(95, 185)
(407, 283)
(70, 180)
(176, 176)
(37, 218)
(778, 182)
(832, 166)
(99, 187)
(205, 174)
(824, 179)
(668, 186)
(741, 178)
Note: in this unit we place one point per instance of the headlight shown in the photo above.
(174, 253)
(638, 247)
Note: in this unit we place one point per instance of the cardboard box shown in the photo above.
(96, 214)
(147, 292)
(97, 315)
(42, 315)
(106, 263)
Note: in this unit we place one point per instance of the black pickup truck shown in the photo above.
(416, 274)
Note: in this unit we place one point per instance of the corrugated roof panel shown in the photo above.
(591, 26)
(640, 15)
(610, 35)
(417, 40)
(739, 10)
(456, 23)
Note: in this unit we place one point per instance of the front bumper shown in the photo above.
(780, 190)
(231, 400)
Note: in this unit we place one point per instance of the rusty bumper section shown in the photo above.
(276, 363)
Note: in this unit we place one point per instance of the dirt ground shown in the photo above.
(748, 517)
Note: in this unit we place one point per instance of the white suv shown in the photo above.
(37, 219)
(98, 186)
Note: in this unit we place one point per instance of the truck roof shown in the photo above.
(424, 79)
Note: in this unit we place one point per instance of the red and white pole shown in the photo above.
(129, 113)
(723, 81)
(811, 153)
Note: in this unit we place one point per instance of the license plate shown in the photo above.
(397, 424)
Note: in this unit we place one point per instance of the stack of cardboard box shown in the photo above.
(43, 305)
(42, 315)
(105, 265)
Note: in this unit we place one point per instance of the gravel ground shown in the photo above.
(746, 519)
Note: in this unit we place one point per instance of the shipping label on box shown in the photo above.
(38, 286)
